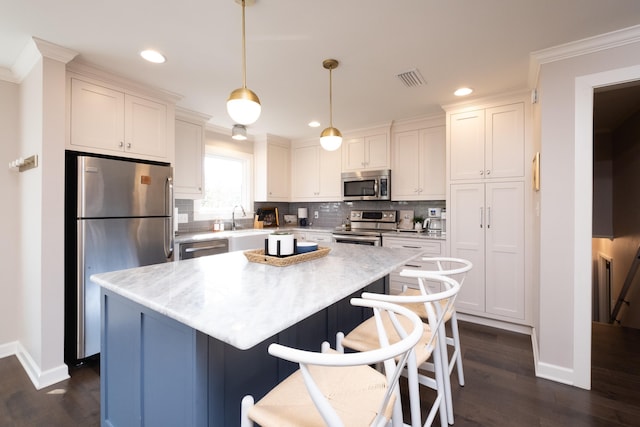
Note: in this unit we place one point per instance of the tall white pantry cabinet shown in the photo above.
(487, 190)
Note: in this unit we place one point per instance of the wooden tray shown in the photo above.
(257, 255)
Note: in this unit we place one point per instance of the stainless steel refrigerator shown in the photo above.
(119, 216)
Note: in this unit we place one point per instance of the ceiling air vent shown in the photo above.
(411, 78)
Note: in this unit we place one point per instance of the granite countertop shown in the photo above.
(243, 303)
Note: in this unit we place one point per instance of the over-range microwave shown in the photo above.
(366, 185)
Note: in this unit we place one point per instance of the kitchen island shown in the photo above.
(182, 342)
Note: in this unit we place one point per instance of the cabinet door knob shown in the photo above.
(121, 144)
(481, 172)
(128, 145)
(488, 171)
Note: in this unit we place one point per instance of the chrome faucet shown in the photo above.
(233, 215)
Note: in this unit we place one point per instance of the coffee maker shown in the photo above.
(302, 216)
(436, 221)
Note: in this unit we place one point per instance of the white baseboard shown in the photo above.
(547, 371)
(555, 373)
(536, 352)
(499, 324)
(40, 379)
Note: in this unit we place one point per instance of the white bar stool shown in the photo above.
(451, 267)
(336, 389)
(362, 339)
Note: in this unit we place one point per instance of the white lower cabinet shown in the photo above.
(313, 236)
(425, 247)
(486, 227)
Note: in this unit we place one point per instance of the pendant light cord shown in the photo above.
(330, 97)
(244, 51)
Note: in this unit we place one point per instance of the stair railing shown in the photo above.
(625, 288)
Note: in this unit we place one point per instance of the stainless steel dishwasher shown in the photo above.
(203, 248)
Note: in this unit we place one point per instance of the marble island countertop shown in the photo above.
(243, 303)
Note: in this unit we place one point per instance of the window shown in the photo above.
(227, 183)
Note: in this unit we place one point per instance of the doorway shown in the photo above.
(616, 230)
(583, 203)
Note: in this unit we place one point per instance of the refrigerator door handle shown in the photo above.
(80, 292)
(168, 229)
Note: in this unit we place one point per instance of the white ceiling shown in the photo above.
(484, 44)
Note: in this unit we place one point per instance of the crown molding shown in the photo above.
(87, 70)
(7, 75)
(36, 49)
(581, 47)
(53, 51)
(186, 114)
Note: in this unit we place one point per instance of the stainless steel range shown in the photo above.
(367, 227)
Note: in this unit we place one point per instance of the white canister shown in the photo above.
(286, 243)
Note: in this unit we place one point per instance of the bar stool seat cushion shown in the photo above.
(365, 336)
(419, 309)
(355, 392)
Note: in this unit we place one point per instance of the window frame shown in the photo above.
(247, 198)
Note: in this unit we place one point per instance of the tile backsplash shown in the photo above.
(330, 214)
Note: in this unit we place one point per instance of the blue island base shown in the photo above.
(156, 371)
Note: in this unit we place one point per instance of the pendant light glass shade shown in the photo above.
(330, 138)
(243, 104)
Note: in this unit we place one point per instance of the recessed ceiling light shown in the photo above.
(463, 91)
(314, 124)
(153, 56)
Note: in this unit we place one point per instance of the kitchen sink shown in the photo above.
(242, 240)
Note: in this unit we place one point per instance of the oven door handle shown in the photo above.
(356, 238)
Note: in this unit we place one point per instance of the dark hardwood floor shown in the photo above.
(73, 402)
(501, 388)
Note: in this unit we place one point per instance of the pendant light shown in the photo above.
(330, 138)
(239, 132)
(243, 104)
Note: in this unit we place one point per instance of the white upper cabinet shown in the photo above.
(315, 172)
(366, 150)
(145, 126)
(487, 143)
(418, 170)
(272, 168)
(108, 120)
(188, 171)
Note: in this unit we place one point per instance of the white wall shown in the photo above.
(9, 218)
(30, 213)
(566, 100)
(40, 210)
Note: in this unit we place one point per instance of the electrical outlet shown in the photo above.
(315, 214)
(183, 218)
